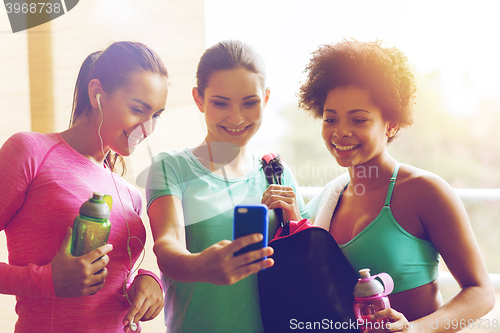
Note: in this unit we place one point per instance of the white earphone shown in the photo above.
(98, 97)
(133, 326)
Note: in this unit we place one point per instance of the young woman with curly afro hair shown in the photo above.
(386, 216)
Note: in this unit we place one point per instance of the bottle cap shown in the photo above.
(368, 286)
(96, 207)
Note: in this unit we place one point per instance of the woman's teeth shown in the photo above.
(235, 130)
(345, 148)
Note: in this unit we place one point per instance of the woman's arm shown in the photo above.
(66, 276)
(216, 264)
(448, 228)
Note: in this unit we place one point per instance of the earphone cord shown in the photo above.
(131, 271)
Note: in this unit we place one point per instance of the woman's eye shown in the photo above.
(250, 104)
(137, 110)
(329, 120)
(358, 120)
(220, 104)
(157, 116)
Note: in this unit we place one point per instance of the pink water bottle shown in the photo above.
(370, 297)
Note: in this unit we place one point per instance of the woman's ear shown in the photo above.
(392, 129)
(267, 93)
(94, 89)
(198, 99)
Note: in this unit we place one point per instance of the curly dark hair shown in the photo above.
(383, 71)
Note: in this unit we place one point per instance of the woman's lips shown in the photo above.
(235, 130)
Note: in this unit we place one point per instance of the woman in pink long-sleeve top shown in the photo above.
(119, 94)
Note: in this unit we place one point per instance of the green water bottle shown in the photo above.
(91, 228)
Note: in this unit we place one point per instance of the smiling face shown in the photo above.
(130, 113)
(233, 105)
(354, 129)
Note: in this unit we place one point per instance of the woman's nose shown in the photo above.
(148, 127)
(342, 131)
(235, 116)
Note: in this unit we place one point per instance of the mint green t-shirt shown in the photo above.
(208, 202)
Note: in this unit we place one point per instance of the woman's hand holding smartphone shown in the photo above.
(228, 262)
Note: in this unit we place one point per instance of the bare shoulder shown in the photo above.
(429, 197)
(422, 184)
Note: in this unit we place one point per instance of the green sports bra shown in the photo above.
(384, 246)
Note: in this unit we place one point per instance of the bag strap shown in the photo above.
(273, 170)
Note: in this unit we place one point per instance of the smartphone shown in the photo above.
(251, 219)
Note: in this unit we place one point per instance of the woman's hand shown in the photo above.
(79, 276)
(147, 301)
(218, 265)
(397, 321)
(278, 196)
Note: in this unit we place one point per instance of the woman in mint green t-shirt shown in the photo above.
(192, 193)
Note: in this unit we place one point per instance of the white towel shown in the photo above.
(331, 195)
